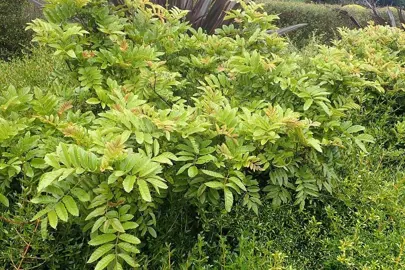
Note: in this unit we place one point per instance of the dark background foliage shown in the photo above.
(14, 15)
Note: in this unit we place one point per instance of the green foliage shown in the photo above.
(35, 68)
(150, 115)
(323, 20)
(360, 227)
(13, 18)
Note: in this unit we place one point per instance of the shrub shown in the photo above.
(150, 117)
(151, 108)
(359, 228)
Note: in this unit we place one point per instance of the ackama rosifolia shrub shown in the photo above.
(149, 108)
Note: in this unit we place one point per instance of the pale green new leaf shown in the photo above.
(130, 225)
(41, 213)
(71, 53)
(118, 266)
(156, 147)
(144, 190)
(61, 211)
(53, 219)
(157, 183)
(308, 104)
(355, 128)
(213, 174)
(116, 224)
(102, 239)
(93, 101)
(97, 212)
(228, 199)
(315, 144)
(81, 194)
(4, 200)
(128, 247)
(162, 159)
(104, 262)
(129, 239)
(44, 228)
(129, 182)
(192, 171)
(48, 178)
(128, 259)
(98, 224)
(215, 184)
(71, 205)
(237, 182)
(99, 252)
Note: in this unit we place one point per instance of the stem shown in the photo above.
(27, 246)
(68, 64)
(401, 250)
(154, 90)
(116, 248)
(13, 221)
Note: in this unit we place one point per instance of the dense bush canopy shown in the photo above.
(148, 110)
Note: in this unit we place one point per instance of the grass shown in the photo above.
(33, 68)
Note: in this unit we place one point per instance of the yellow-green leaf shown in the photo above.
(144, 190)
(98, 224)
(130, 225)
(71, 205)
(102, 239)
(118, 266)
(104, 262)
(53, 219)
(48, 178)
(192, 171)
(308, 104)
(116, 224)
(71, 53)
(128, 247)
(129, 239)
(213, 174)
(61, 211)
(99, 252)
(93, 101)
(44, 228)
(95, 213)
(128, 259)
(4, 200)
(215, 184)
(40, 214)
(129, 182)
(81, 194)
(238, 182)
(228, 199)
(315, 144)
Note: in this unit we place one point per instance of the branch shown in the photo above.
(27, 247)
(154, 90)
